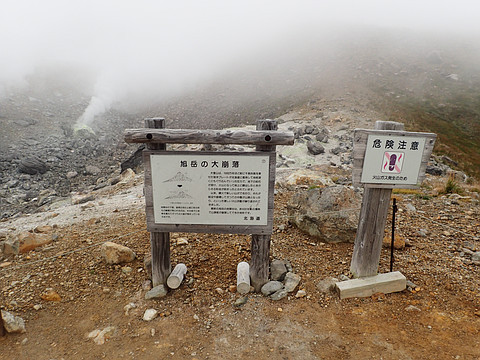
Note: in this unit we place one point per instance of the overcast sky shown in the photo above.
(139, 44)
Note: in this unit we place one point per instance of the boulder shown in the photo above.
(32, 165)
(92, 170)
(398, 242)
(278, 270)
(12, 323)
(315, 148)
(329, 214)
(25, 242)
(116, 254)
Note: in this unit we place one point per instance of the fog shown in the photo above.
(126, 52)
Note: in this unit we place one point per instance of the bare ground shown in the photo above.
(440, 318)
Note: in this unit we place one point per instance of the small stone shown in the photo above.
(410, 207)
(150, 314)
(232, 288)
(51, 295)
(71, 174)
(12, 323)
(291, 281)
(327, 285)
(398, 243)
(278, 295)
(43, 229)
(315, 148)
(37, 307)
(422, 232)
(116, 254)
(271, 287)
(300, 293)
(278, 270)
(157, 292)
(412, 308)
(219, 291)
(129, 307)
(241, 301)
(126, 270)
(100, 336)
(92, 170)
(410, 285)
(82, 199)
(343, 277)
(182, 241)
(476, 256)
(147, 285)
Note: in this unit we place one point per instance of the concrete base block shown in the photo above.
(367, 286)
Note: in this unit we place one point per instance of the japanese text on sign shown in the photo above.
(392, 159)
(210, 188)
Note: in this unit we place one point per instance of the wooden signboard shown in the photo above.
(209, 192)
(391, 159)
(213, 192)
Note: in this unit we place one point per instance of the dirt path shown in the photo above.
(440, 319)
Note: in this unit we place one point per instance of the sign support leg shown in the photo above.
(371, 226)
(260, 248)
(159, 241)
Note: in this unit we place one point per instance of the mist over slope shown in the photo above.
(426, 80)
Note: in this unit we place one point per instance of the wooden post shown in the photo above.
(260, 249)
(371, 226)
(159, 241)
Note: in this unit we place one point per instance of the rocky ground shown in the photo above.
(76, 306)
(63, 189)
(65, 290)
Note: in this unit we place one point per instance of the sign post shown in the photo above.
(384, 158)
(209, 192)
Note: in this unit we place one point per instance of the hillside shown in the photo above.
(77, 198)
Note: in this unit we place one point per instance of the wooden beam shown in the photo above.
(159, 241)
(371, 225)
(186, 136)
(363, 287)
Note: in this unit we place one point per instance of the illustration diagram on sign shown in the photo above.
(393, 162)
(178, 178)
(178, 195)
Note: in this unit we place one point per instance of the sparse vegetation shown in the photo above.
(452, 187)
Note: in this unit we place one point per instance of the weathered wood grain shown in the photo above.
(187, 136)
(159, 241)
(371, 225)
(260, 248)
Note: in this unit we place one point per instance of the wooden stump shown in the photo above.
(371, 226)
(159, 241)
(176, 277)
(243, 278)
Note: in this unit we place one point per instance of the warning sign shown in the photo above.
(393, 159)
(393, 162)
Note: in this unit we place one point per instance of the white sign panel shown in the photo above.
(211, 189)
(392, 159)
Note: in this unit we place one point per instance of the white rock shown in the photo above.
(129, 307)
(300, 294)
(116, 254)
(12, 323)
(150, 314)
